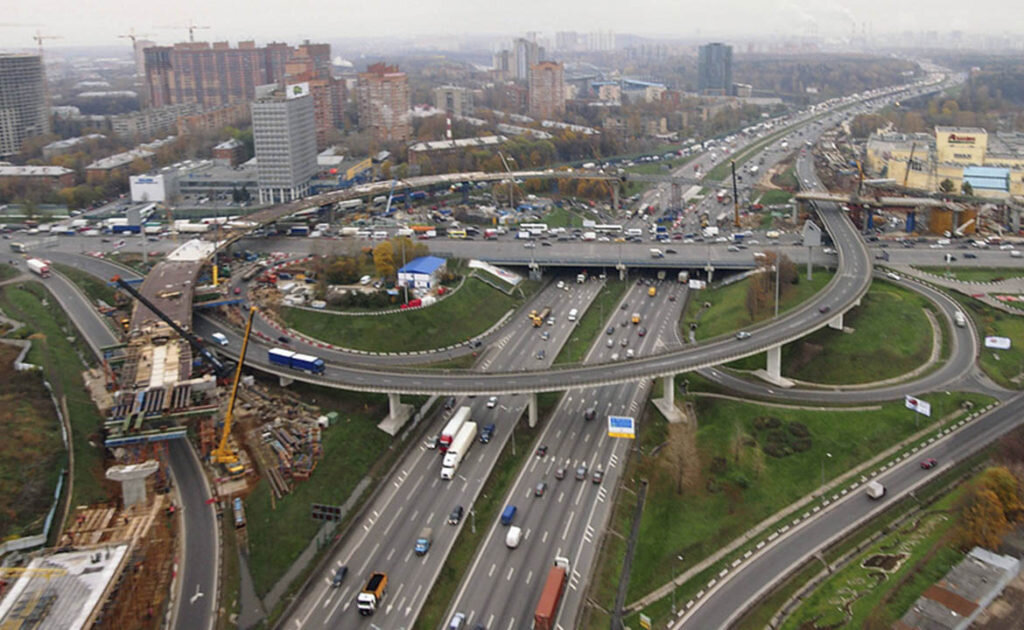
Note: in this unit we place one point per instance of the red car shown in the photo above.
(929, 464)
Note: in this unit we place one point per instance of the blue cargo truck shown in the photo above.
(296, 361)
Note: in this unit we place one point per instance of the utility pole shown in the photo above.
(735, 197)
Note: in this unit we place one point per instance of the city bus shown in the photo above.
(607, 228)
(457, 234)
(534, 228)
(18, 247)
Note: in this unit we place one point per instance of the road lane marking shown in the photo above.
(529, 577)
(511, 570)
(491, 572)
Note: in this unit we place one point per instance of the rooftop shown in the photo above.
(119, 159)
(228, 145)
(33, 171)
(479, 141)
(423, 264)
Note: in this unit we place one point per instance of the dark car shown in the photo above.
(487, 433)
(284, 339)
(641, 331)
(670, 251)
(824, 309)
(339, 576)
(540, 355)
(542, 450)
(929, 463)
(610, 331)
(456, 516)
(970, 255)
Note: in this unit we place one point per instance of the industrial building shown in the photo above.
(422, 273)
(993, 164)
(52, 176)
(955, 601)
(23, 106)
(547, 90)
(284, 136)
(151, 122)
(425, 151)
(383, 102)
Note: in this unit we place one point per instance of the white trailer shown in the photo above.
(451, 430)
(38, 267)
(457, 451)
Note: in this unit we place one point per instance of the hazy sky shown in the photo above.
(90, 22)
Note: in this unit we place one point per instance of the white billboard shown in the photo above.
(148, 188)
(999, 343)
(297, 89)
(918, 405)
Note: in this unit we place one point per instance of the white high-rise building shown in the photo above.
(284, 135)
(23, 108)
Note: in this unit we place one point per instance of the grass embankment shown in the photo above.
(278, 536)
(920, 551)
(487, 507)
(724, 169)
(590, 326)
(775, 197)
(7, 272)
(463, 315)
(57, 347)
(891, 336)
(972, 274)
(1003, 366)
(737, 483)
(31, 453)
(937, 488)
(728, 312)
(562, 217)
(92, 286)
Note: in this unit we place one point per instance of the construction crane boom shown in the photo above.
(223, 453)
(219, 367)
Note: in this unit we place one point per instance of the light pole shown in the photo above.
(828, 456)
(472, 516)
(675, 576)
(776, 288)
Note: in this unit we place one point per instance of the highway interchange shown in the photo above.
(502, 585)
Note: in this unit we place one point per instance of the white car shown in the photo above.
(219, 338)
(492, 402)
(893, 276)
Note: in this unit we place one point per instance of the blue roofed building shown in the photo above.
(422, 273)
(988, 179)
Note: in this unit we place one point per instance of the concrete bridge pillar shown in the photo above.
(531, 410)
(667, 403)
(615, 195)
(711, 273)
(668, 389)
(774, 367)
(133, 480)
(398, 415)
(836, 323)
(676, 200)
(622, 271)
(285, 381)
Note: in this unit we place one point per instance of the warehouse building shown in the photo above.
(422, 273)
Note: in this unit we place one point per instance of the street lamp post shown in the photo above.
(675, 576)
(828, 456)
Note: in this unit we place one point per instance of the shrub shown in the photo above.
(799, 429)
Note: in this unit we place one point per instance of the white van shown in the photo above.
(380, 235)
(512, 538)
(220, 338)
(572, 315)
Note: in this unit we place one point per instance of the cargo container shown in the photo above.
(38, 267)
(457, 450)
(452, 428)
(370, 598)
(551, 596)
(296, 361)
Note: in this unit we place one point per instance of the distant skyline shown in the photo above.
(101, 21)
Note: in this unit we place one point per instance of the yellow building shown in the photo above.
(992, 164)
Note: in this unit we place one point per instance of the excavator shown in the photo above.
(224, 455)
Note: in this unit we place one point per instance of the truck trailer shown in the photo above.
(452, 428)
(39, 267)
(551, 596)
(457, 450)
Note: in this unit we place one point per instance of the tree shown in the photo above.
(947, 185)
(968, 189)
(1005, 486)
(983, 522)
(384, 260)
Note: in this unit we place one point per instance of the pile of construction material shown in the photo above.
(291, 450)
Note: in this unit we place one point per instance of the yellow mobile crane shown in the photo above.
(224, 454)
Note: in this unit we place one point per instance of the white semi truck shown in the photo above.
(457, 451)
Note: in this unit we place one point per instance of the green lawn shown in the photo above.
(775, 197)
(738, 484)
(561, 217)
(487, 507)
(857, 593)
(728, 312)
(92, 286)
(278, 536)
(50, 330)
(7, 272)
(975, 274)
(468, 312)
(787, 178)
(891, 336)
(1000, 365)
(592, 324)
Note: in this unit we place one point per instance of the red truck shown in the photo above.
(551, 596)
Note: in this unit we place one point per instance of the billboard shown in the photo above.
(918, 405)
(358, 169)
(296, 90)
(621, 427)
(999, 343)
(146, 188)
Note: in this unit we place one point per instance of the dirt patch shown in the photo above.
(885, 562)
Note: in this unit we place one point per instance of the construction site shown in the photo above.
(113, 564)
